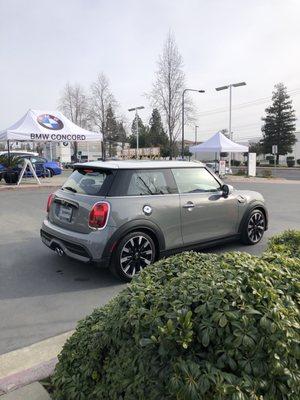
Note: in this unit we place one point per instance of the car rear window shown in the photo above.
(88, 181)
(146, 182)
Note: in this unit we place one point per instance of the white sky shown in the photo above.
(44, 44)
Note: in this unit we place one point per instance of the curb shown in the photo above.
(23, 378)
(29, 364)
(279, 181)
(3, 188)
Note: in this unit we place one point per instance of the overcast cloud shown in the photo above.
(44, 44)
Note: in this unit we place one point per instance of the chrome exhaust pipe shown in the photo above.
(59, 251)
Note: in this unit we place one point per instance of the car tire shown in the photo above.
(51, 173)
(48, 173)
(134, 252)
(254, 227)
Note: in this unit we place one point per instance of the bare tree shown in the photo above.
(75, 105)
(101, 100)
(167, 90)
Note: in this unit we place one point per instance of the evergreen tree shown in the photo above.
(112, 130)
(143, 133)
(255, 147)
(157, 135)
(121, 133)
(279, 123)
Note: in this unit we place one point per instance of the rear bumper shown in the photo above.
(70, 249)
(83, 247)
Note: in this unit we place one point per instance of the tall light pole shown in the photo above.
(196, 127)
(230, 86)
(137, 126)
(182, 105)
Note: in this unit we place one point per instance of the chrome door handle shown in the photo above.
(189, 205)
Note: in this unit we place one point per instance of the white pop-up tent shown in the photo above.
(219, 143)
(47, 126)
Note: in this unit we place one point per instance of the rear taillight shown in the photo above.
(98, 215)
(49, 201)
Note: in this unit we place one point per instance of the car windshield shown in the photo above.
(86, 181)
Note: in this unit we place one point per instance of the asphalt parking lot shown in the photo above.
(42, 295)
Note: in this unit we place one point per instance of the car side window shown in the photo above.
(195, 180)
(150, 182)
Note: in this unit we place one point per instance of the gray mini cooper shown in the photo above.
(127, 214)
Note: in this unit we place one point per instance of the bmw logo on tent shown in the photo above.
(50, 122)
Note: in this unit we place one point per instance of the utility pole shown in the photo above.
(230, 86)
(182, 118)
(196, 127)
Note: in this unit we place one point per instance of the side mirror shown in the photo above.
(226, 190)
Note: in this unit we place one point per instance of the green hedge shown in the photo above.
(193, 326)
(288, 243)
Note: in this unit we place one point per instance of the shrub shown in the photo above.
(241, 172)
(271, 160)
(236, 163)
(266, 173)
(193, 326)
(288, 244)
(291, 163)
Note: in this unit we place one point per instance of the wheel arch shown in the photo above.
(145, 226)
(256, 205)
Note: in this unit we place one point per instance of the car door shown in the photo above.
(37, 165)
(205, 213)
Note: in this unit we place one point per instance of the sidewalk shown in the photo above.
(22, 367)
(236, 178)
(30, 183)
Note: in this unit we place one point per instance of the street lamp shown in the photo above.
(196, 127)
(183, 93)
(230, 86)
(137, 126)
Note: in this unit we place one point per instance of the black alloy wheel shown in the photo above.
(254, 227)
(134, 253)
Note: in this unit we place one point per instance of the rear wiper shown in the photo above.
(69, 188)
(147, 187)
